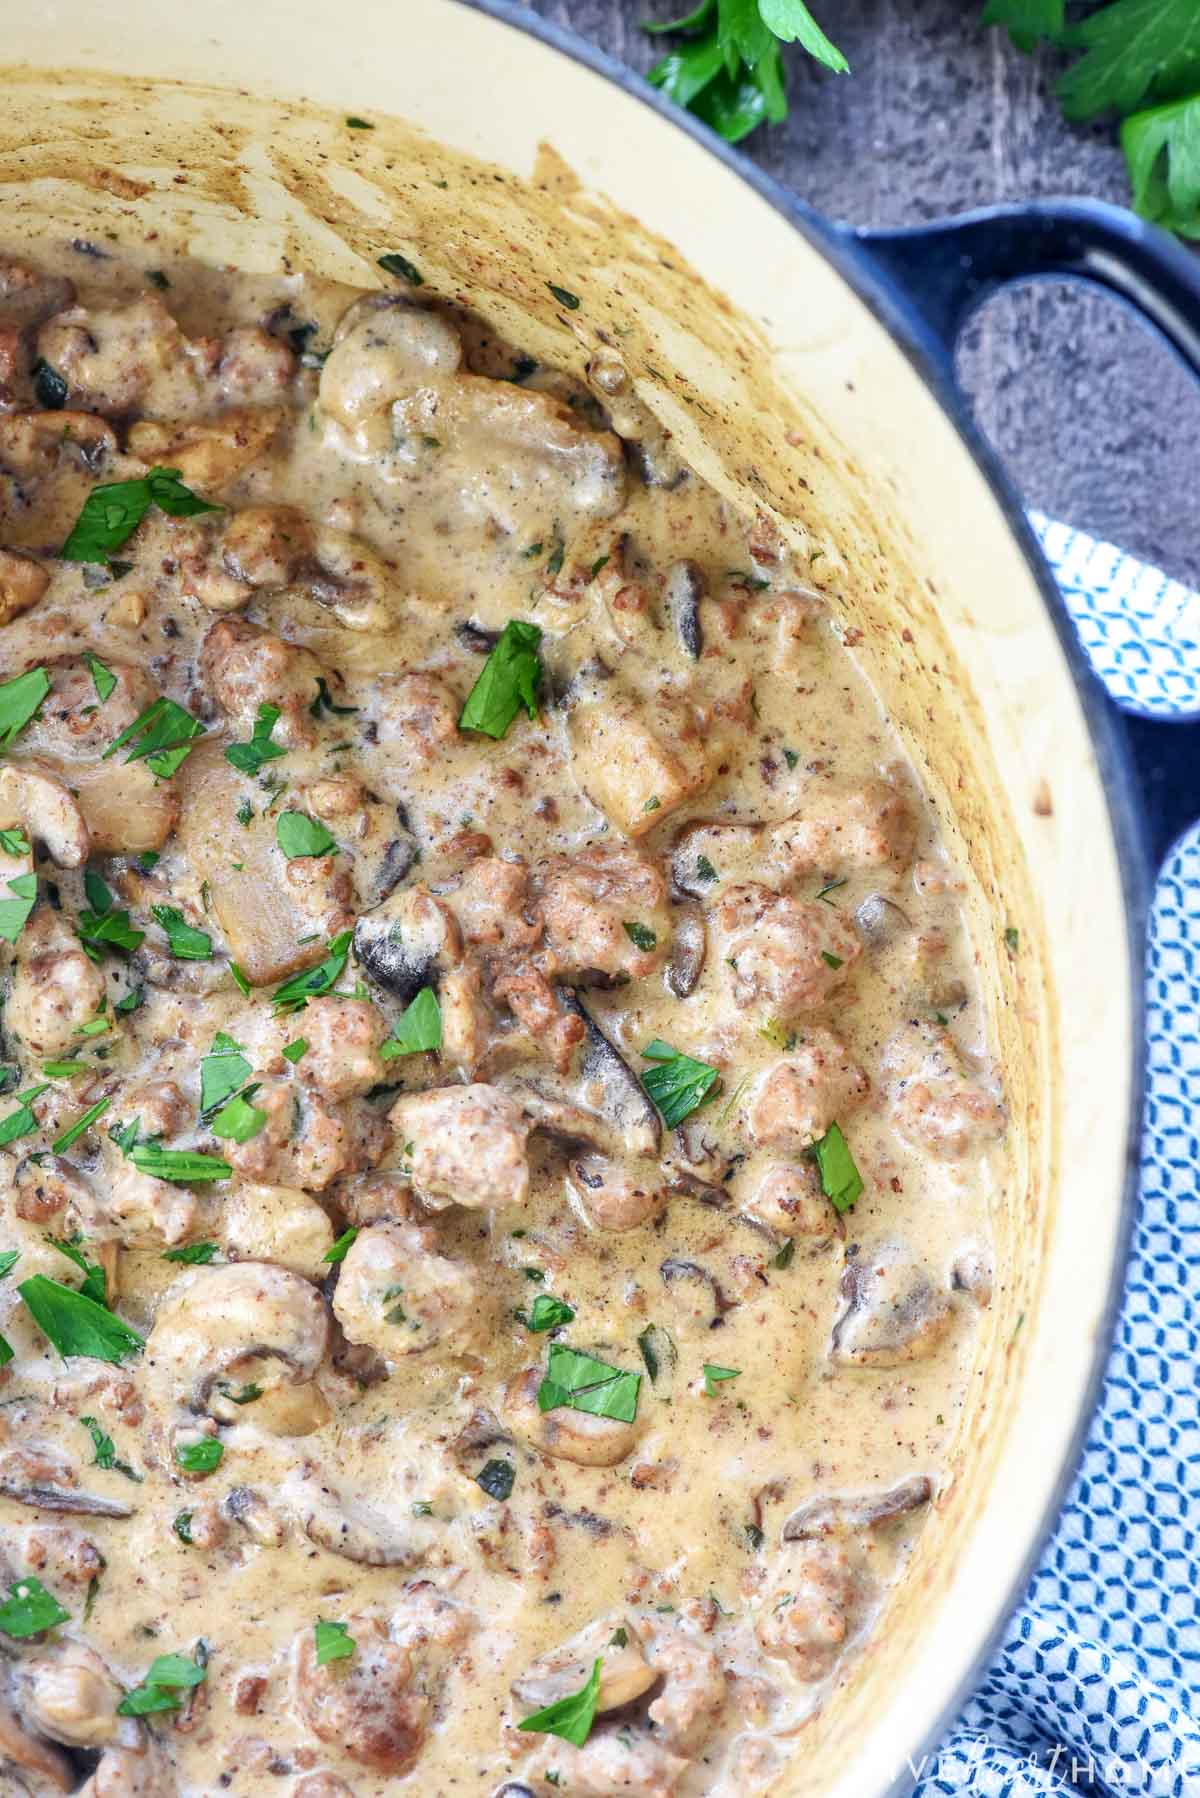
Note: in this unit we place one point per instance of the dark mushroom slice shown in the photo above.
(675, 1268)
(892, 1313)
(686, 1185)
(620, 1097)
(710, 853)
(881, 920)
(683, 590)
(481, 1431)
(407, 942)
(355, 1531)
(846, 1514)
(58, 1498)
(475, 637)
(400, 856)
(251, 1510)
(689, 945)
(657, 1349)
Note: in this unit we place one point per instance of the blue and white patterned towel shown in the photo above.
(1096, 1686)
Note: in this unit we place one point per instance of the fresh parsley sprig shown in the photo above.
(729, 72)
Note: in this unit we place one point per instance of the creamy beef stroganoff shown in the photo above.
(497, 1139)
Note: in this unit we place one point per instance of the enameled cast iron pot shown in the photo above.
(805, 369)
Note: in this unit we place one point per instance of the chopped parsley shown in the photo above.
(713, 1375)
(14, 912)
(169, 1674)
(640, 935)
(298, 835)
(75, 1131)
(202, 1456)
(548, 1313)
(395, 264)
(21, 1122)
(76, 1324)
(111, 513)
(841, 1181)
(705, 869)
(830, 959)
(29, 1609)
(579, 1382)
(222, 1071)
(509, 679)
(185, 942)
(418, 1028)
(295, 993)
(294, 1051)
(323, 703)
(677, 1084)
(181, 1166)
(239, 1120)
(571, 1717)
(1012, 939)
(497, 1479)
(334, 1641)
(248, 758)
(162, 736)
(564, 296)
(338, 1250)
(21, 700)
(15, 842)
(193, 1254)
(103, 678)
(106, 1453)
(100, 925)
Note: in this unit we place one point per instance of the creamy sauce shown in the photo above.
(706, 836)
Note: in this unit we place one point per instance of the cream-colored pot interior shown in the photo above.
(498, 165)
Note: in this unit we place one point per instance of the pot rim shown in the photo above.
(838, 244)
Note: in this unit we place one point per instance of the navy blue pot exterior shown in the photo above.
(922, 284)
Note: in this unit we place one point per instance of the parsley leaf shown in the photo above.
(95, 1283)
(841, 1181)
(295, 1051)
(112, 513)
(168, 1674)
(178, 1165)
(548, 1313)
(792, 23)
(640, 935)
(238, 1121)
(186, 943)
(678, 1084)
(193, 1254)
(75, 1131)
(15, 842)
(162, 736)
(106, 1452)
(14, 912)
(202, 1456)
(731, 72)
(103, 678)
(497, 1479)
(1162, 149)
(581, 1383)
(310, 983)
(249, 757)
(419, 1027)
(222, 1071)
(571, 1717)
(102, 927)
(76, 1324)
(29, 1609)
(299, 835)
(713, 1375)
(323, 703)
(1133, 50)
(20, 701)
(1027, 20)
(341, 1248)
(21, 1122)
(395, 264)
(509, 679)
(334, 1641)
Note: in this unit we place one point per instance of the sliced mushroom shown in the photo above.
(847, 1514)
(72, 1697)
(482, 1430)
(881, 920)
(564, 1433)
(475, 637)
(614, 1195)
(892, 1313)
(683, 591)
(688, 949)
(349, 1528)
(32, 796)
(30, 1753)
(58, 1498)
(407, 942)
(711, 853)
(609, 1086)
(251, 1510)
(675, 1269)
(247, 1322)
(614, 1641)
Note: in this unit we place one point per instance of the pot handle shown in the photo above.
(945, 270)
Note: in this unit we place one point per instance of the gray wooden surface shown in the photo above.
(1097, 423)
